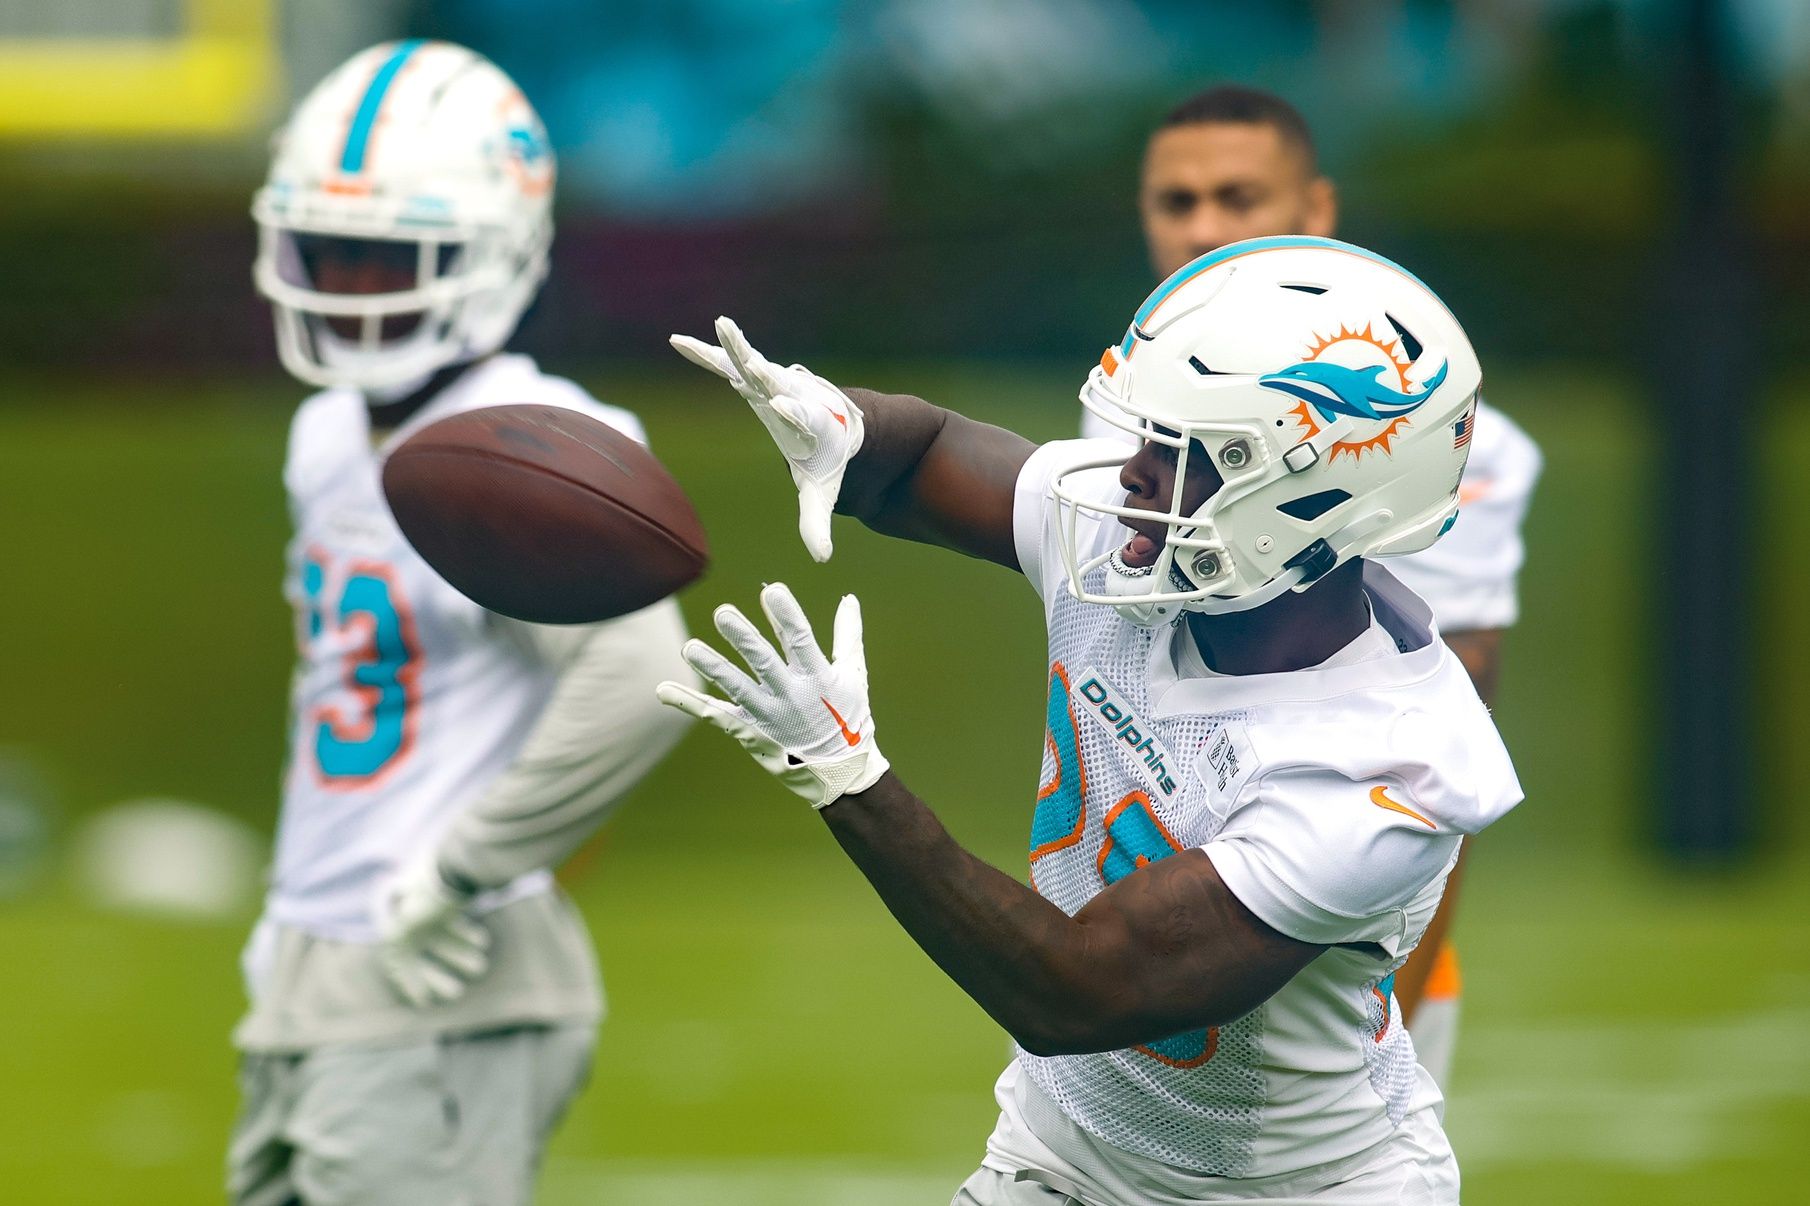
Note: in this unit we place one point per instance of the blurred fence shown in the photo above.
(895, 177)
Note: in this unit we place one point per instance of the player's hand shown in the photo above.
(805, 718)
(429, 946)
(814, 423)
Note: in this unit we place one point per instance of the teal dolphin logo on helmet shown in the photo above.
(1334, 390)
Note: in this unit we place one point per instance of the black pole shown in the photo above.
(1703, 353)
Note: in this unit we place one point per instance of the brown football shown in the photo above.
(544, 514)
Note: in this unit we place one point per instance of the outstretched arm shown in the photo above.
(1164, 950)
(893, 461)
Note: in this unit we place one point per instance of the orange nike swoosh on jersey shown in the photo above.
(1379, 796)
(851, 738)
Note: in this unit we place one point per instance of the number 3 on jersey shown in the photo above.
(354, 744)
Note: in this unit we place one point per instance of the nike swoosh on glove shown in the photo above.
(804, 717)
(816, 426)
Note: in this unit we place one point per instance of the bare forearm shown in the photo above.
(899, 432)
(934, 476)
(1007, 947)
(1163, 951)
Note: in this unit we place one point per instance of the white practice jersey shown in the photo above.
(1332, 801)
(1468, 576)
(408, 697)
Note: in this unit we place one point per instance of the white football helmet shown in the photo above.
(1335, 395)
(429, 152)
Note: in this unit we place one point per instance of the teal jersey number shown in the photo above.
(1133, 838)
(353, 747)
(1061, 814)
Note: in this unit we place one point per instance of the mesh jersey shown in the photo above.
(1332, 802)
(1468, 576)
(408, 697)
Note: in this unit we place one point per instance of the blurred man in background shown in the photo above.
(423, 997)
(1233, 163)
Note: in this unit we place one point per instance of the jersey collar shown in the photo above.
(1402, 614)
(467, 392)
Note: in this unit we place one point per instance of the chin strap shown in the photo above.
(1270, 591)
(1304, 568)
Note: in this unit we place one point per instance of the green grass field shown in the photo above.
(1634, 1033)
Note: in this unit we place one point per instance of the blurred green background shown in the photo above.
(1633, 1033)
(942, 194)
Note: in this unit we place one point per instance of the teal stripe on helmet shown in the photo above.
(1213, 259)
(358, 138)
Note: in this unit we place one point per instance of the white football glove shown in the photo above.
(430, 948)
(805, 719)
(814, 423)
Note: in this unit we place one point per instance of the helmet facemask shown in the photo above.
(444, 311)
(1195, 565)
(424, 165)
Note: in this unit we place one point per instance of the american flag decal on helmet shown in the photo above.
(1461, 430)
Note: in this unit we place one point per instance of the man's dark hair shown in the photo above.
(1239, 105)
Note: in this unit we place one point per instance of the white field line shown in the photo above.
(754, 1182)
(1653, 1095)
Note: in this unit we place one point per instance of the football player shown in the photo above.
(1260, 760)
(423, 997)
(1234, 163)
